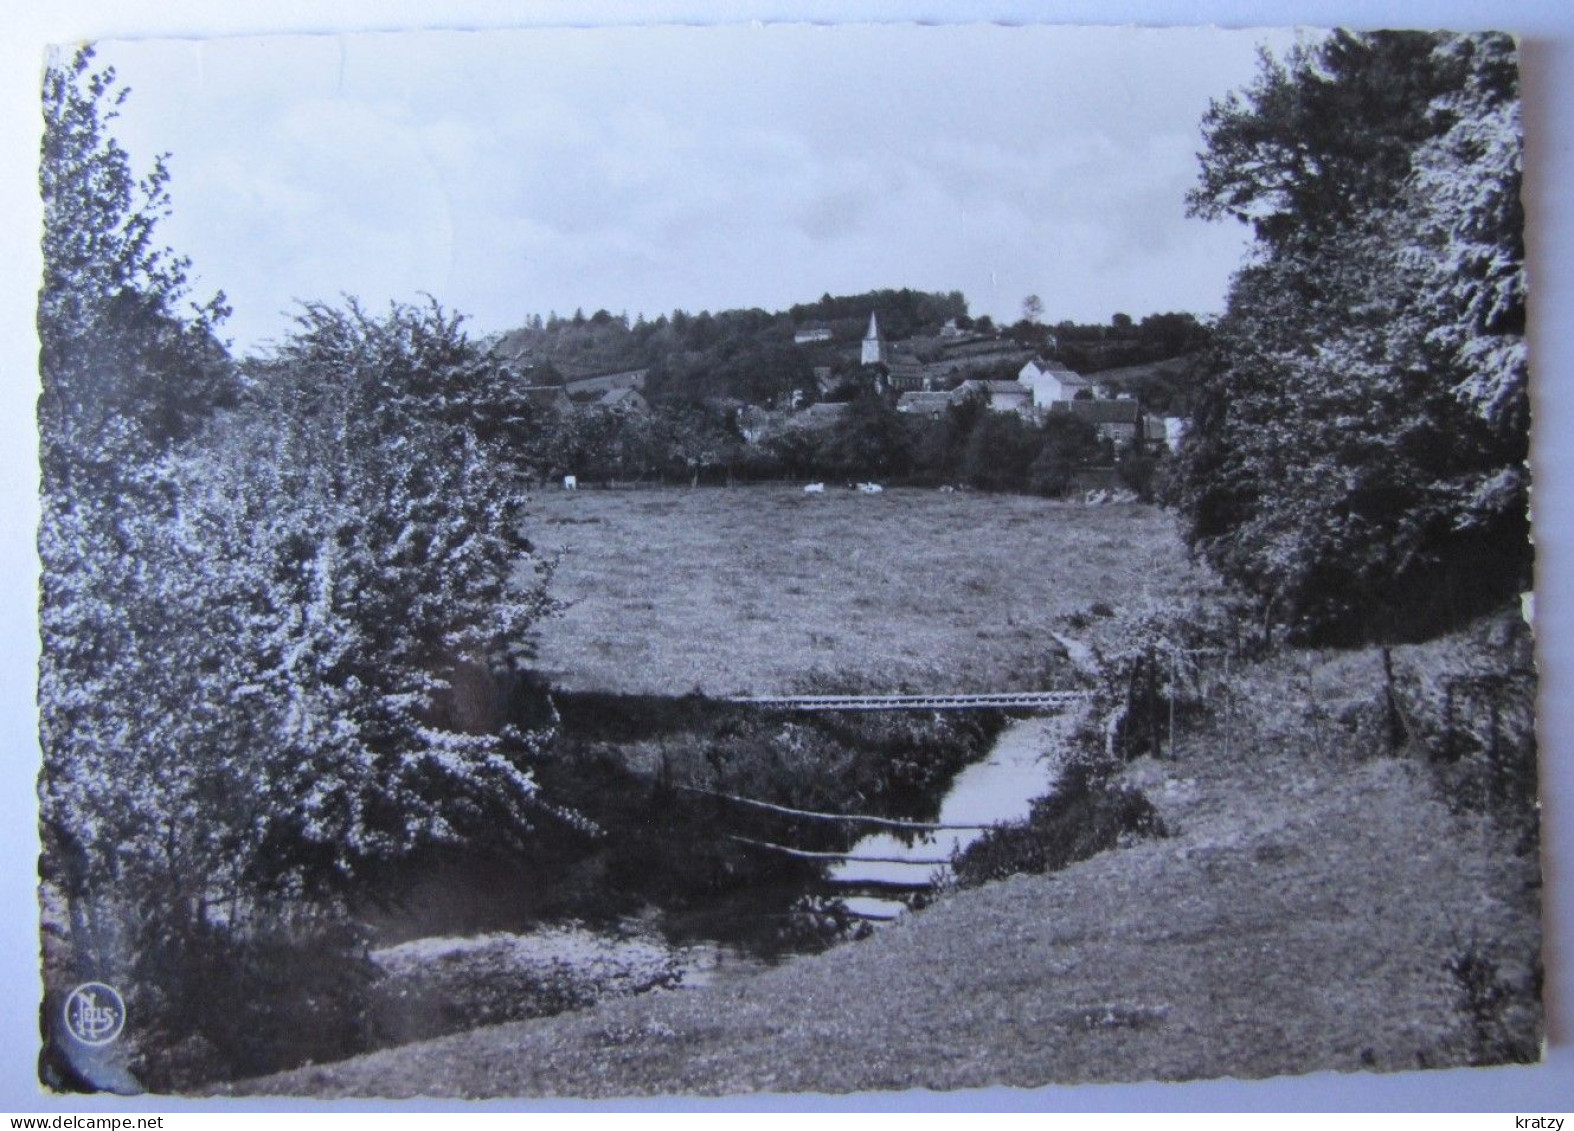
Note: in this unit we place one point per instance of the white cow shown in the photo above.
(814, 489)
(870, 488)
(570, 483)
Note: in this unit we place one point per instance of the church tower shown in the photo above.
(874, 345)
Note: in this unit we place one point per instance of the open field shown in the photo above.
(756, 589)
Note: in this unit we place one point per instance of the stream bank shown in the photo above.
(1298, 918)
(664, 884)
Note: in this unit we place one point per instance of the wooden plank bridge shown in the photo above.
(1033, 700)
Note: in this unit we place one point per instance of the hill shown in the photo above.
(754, 355)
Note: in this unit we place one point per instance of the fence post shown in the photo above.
(1396, 729)
(1174, 678)
(1227, 704)
(1496, 777)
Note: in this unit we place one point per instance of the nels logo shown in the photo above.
(95, 1013)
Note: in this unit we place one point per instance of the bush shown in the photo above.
(214, 1001)
(1493, 1008)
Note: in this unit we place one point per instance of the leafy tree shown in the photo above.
(1322, 137)
(872, 440)
(1357, 454)
(280, 616)
(356, 509)
(128, 370)
(127, 365)
(1066, 443)
(1000, 450)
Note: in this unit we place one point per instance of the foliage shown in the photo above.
(1493, 1008)
(1469, 701)
(280, 612)
(222, 1001)
(1095, 347)
(127, 368)
(380, 540)
(1356, 458)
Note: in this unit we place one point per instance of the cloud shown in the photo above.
(650, 168)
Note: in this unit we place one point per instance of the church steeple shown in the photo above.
(874, 345)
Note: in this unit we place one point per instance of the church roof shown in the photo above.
(874, 329)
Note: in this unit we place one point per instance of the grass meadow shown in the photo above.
(764, 589)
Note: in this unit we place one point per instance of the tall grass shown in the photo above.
(745, 590)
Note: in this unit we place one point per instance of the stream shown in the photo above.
(1022, 765)
(476, 961)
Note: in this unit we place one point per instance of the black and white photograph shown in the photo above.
(784, 558)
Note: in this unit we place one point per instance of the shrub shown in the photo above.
(1489, 1004)
(219, 1001)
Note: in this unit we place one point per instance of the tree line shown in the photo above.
(683, 442)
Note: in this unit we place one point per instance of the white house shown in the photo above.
(1051, 382)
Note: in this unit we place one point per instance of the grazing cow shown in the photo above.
(870, 488)
(570, 483)
(814, 489)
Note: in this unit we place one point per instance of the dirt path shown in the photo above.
(1298, 919)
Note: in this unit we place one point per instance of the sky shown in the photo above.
(510, 173)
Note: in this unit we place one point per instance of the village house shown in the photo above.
(1119, 421)
(999, 396)
(812, 332)
(1154, 437)
(548, 398)
(583, 387)
(924, 403)
(908, 375)
(623, 400)
(1052, 382)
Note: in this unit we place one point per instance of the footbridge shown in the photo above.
(1020, 700)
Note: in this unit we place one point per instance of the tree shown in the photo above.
(1032, 308)
(280, 618)
(1356, 458)
(1321, 138)
(127, 366)
(127, 374)
(999, 452)
(379, 538)
(872, 440)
